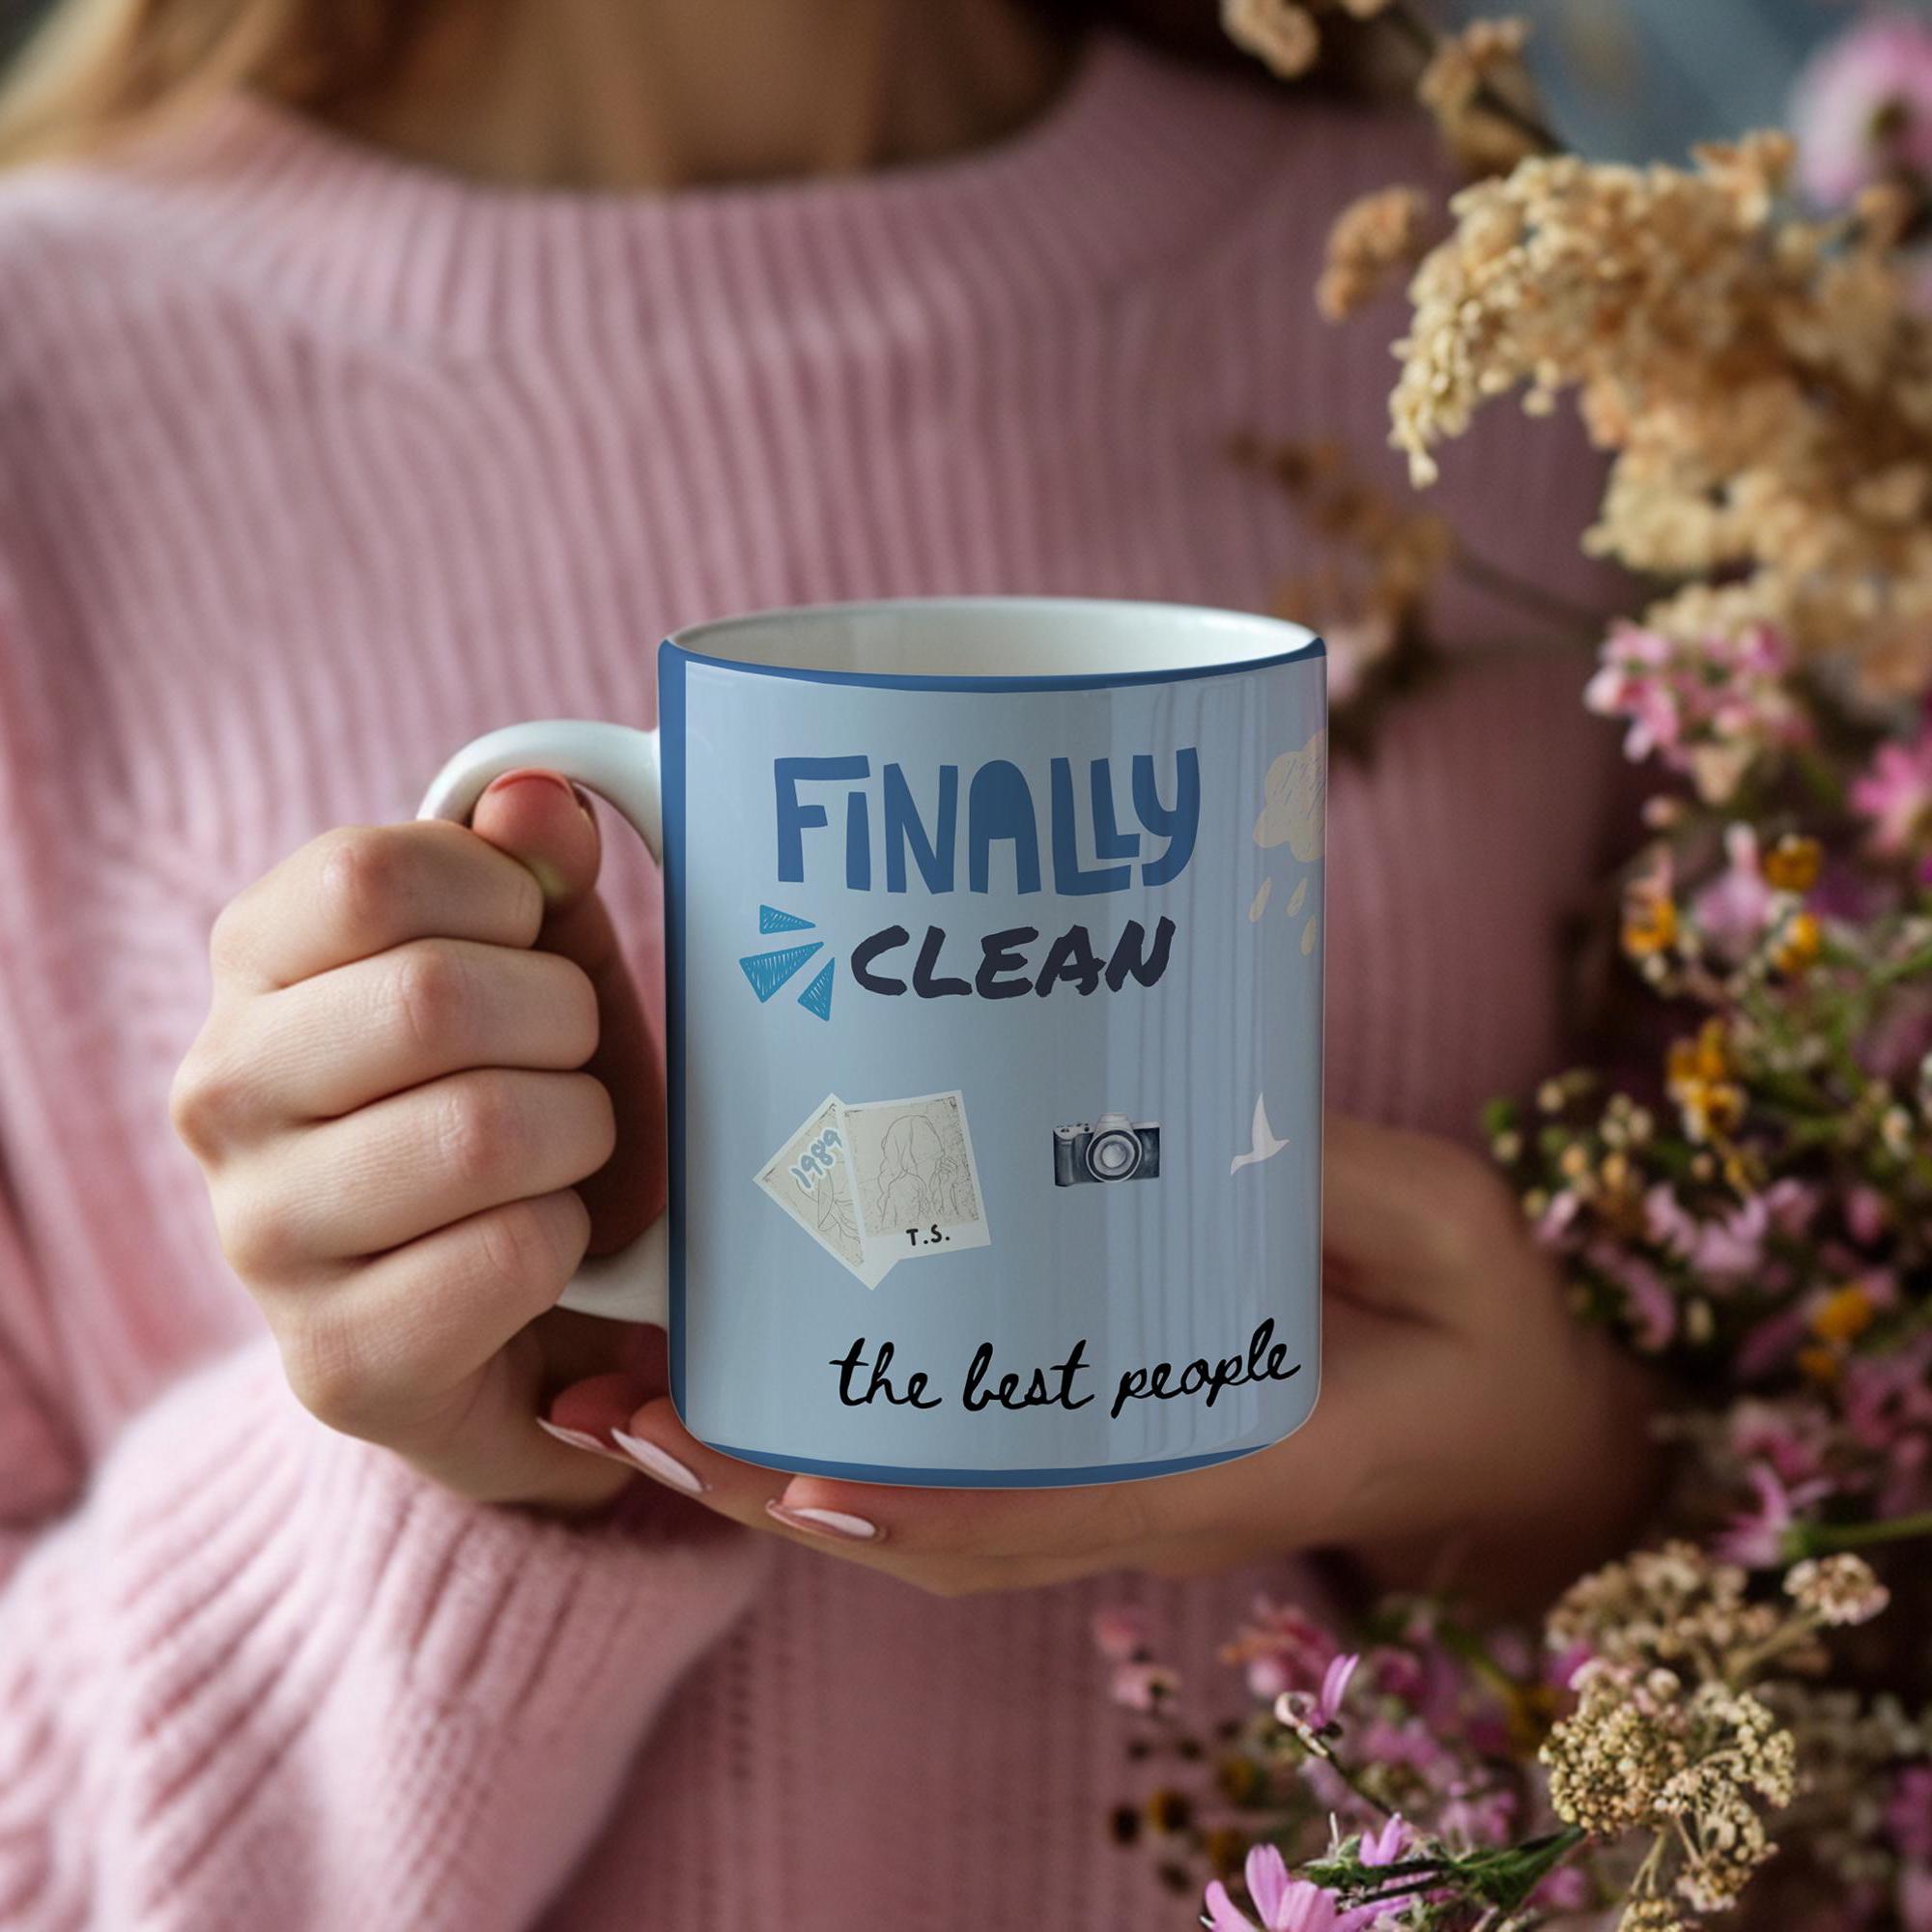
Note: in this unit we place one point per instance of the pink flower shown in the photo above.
(1863, 107)
(1383, 1846)
(1792, 1204)
(1915, 1898)
(1549, 1226)
(1482, 1815)
(1722, 1251)
(1734, 909)
(1865, 1214)
(1566, 1890)
(1908, 1813)
(1710, 709)
(1283, 1648)
(1286, 1904)
(1142, 1687)
(1896, 793)
(1315, 1712)
(1120, 1634)
(1650, 1308)
(1786, 1439)
(1354, 649)
(1769, 1346)
(1756, 1538)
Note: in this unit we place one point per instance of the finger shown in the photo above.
(362, 889)
(884, 1528)
(1411, 1222)
(378, 1349)
(400, 1167)
(978, 1525)
(538, 818)
(358, 1033)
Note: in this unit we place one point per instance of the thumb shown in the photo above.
(542, 821)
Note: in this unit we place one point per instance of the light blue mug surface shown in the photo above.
(995, 959)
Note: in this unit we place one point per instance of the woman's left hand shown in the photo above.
(1469, 1431)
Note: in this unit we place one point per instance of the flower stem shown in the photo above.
(1508, 588)
(1425, 39)
(1908, 968)
(1821, 1539)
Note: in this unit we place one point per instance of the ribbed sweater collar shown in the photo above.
(1135, 161)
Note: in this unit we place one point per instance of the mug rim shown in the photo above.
(1298, 642)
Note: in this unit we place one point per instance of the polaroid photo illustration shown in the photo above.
(915, 1177)
(882, 1182)
(811, 1177)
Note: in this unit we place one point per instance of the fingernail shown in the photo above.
(825, 1522)
(533, 775)
(659, 1462)
(576, 1439)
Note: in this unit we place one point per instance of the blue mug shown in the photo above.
(993, 942)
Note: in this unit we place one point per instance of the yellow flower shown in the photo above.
(1650, 924)
(1706, 1057)
(1844, 1315)
(1798, 945)
(1225, 1848)
(1793, 863)
(1820, 1365)
(1698, 1073)
(1170, 1812)
(1528, 1712)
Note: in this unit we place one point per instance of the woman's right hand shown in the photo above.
(396, 1099)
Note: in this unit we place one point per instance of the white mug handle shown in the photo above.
(620, 764)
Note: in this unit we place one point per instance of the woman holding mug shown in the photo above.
(370, 377)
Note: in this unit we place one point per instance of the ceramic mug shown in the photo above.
(994, 962)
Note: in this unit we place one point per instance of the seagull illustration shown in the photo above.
(1266, 1144)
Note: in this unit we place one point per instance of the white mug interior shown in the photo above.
(1004, 638)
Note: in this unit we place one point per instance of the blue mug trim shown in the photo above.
(986, 1479)
(672, 804)
(1313, 648)
(673, 662)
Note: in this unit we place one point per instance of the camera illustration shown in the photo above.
(1112, 1148)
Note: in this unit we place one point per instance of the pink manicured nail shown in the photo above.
(576, 1439)
(659, 1462)
(534, 777)
(825, 1522)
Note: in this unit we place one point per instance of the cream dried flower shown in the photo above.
(1662, 1606)
(1836, 1589)
(1612, 1760)
(1370, 239)
(1278, 33)
(1467, 75)
(1651, 1914)
(1765, 383)
(1746, 1753)
(1697, 1767)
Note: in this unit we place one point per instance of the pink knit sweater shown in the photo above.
(313, 465)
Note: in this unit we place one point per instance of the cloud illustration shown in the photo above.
(1295, 786)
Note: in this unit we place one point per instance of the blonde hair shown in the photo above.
(98, 71)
